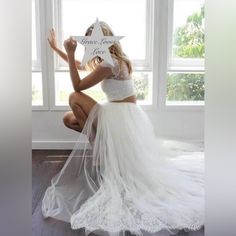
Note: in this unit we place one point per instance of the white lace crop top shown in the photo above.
(120, 85)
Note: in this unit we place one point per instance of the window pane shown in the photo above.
(188, 29)
(185, 87)
(63, 86)
(143, 87)
(37, 91)
(122, 15)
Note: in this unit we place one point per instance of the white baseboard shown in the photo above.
(56, 145)
(63, 145)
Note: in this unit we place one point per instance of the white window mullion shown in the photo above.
(170, 30)
(187, 64)
(49, 54)
(58, 17)
(38, 41)
(156, 51)
(162, 47)
(36, 64)
(186, 69)
(150, 35)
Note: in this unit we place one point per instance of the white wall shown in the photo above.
(49, 132)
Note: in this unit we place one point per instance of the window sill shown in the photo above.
(145, 106)
(184, 106)
(39, 108)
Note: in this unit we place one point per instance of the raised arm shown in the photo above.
(90, 80)
(53, 44)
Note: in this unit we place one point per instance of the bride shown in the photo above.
(119, 176)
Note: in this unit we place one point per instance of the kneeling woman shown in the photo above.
(118, 176)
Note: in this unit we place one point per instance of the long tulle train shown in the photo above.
(119, 177)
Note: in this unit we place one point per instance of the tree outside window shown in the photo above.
(188, 43)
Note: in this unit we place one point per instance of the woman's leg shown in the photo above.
(82, 100)
(81, 105)
(71, 122)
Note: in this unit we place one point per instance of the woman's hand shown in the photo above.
(70, 45)
(52, 39)
(71, 48)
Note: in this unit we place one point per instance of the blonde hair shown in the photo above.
(115, 50)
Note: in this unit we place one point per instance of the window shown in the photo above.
(185, 77)
(70, 18)
(145, 25)
(37, 94)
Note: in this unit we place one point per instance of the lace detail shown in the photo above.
(120, 85)
(116, 90)
(120, 177)
(115, 69)
(119, 70)
(112, 217)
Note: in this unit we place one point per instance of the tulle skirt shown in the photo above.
(120, 177)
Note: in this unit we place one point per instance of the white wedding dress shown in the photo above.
(120, 177)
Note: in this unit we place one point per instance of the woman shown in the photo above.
(80, 103)
(119, 177)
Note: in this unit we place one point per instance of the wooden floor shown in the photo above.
(45, 164)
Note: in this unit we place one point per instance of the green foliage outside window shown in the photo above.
(188, 43)
(141, 86)
(185, 87)
(36, 94)
(189, 39)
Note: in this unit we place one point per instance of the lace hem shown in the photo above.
(141, 225)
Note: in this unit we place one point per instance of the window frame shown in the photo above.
(138, 65)
(179, 65)
(36, 64)
(41, 42)
(159, 43)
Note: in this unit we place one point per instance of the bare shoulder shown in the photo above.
(105, 71)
